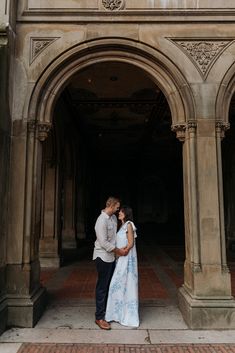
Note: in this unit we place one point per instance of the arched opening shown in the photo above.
(73, 153)
(229, 181)
(112, 135)
(225, 111)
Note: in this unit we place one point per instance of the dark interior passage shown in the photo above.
(228, 158)
(112, 136)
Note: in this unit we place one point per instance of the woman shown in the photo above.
(123, 302)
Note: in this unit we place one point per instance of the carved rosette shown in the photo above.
(203, 53)
(113, 5)
(221, 128)
(37, 45)
(43, 131)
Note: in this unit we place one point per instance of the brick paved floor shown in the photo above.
(100, 348)
(160, 274)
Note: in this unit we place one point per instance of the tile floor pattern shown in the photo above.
(81, 348)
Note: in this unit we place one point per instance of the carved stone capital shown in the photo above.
(43, 130)
(197, 268)
(221, 127)
(192, 126)
(31, 125)
(225, 269)
(179, 129)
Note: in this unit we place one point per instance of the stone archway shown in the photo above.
(49, 86)
(205, 298)
(123, 51)
(162, 70)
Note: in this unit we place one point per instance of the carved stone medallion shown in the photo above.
(112, 4)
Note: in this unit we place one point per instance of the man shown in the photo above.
(104, 256)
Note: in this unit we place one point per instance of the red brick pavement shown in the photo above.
(108, 348)
(80, 282)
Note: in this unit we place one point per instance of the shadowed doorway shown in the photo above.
(111, 136)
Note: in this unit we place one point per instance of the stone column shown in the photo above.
(49, 242)
(5, 132)
(205, 297)
(26, 297)
(82, 173)
(68, 231)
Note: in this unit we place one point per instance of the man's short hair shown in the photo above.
(112, 201)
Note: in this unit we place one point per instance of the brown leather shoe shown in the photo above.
(104, 325)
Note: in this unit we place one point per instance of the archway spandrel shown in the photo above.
(163, 72)
(38, 45)
(203, 53)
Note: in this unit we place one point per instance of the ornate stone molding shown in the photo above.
(202, 52)
(43, 130)
(37, 45)
(113, 5)
(221, 127)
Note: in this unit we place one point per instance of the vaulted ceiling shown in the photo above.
(116, 104)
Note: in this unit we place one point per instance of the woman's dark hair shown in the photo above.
(128, 213)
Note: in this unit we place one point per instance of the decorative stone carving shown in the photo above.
(179, 129)
(43, 130)
(113, 4)
(197, 268)
(37, 45)
(31, 126)
(192, 125)
(221, 127)
(203, 53)
(225, 269)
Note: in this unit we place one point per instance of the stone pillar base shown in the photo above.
(207, 313)
(3, 314)
(25, 311)
(47, 262)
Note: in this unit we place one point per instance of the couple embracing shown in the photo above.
(116, 263)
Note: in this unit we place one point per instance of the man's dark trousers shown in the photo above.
(105, 272)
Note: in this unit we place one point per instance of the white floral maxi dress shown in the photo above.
(123, 301)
